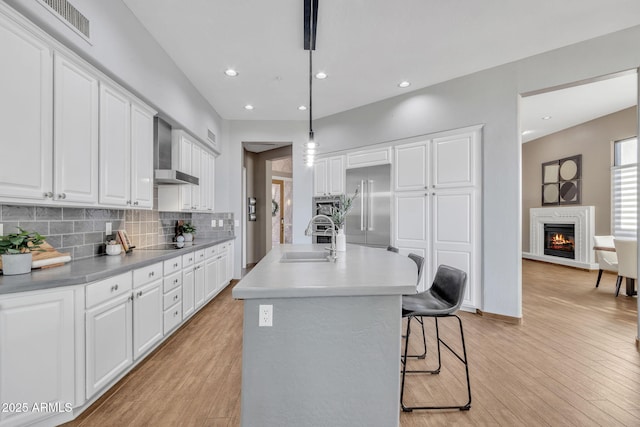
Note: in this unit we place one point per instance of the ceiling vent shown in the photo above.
(69, 15)
(211, 137)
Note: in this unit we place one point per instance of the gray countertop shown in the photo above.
(97, 268)
(358, 271)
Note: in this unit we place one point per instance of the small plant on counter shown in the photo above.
(339, 214)
(187, 227)
(22, 242)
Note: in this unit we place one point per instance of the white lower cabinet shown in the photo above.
(36, 353)
(189, 292)
(147, 317)
(109, 331)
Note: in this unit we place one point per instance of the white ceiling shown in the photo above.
(574, 105)
(365, 46)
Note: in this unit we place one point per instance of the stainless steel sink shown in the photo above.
(305, 256)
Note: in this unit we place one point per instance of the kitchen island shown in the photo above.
(332, 354)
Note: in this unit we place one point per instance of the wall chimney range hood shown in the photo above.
(164, 172)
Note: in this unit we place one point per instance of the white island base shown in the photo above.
(332, 356)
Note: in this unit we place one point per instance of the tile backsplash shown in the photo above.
(81, 231)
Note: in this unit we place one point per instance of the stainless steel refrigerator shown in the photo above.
(369, 222)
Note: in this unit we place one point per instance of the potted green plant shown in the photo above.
(339, 215)
(16, 251)
(188, 231)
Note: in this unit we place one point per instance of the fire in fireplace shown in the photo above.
(559, 240)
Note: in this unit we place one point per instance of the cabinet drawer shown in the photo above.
(104, 290)
(211, 251)
(188, 259)
(172, 297)
(145, 275)
(172, 281)
(172, 317)
(172, 265)
(200, 255)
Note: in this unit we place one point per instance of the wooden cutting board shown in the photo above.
(49, 258)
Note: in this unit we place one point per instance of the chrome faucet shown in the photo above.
(309, 231)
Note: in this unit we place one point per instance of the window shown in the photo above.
(624, 191)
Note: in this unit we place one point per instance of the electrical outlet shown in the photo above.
(213, 222)
(265, 315)
(237, 223)
(220, 223)
(108, 229)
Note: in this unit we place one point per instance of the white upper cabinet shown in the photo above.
(411, 166)
(328, 176)
(26, 79)
(196, 170)
(141, 156)
(115, 147)
(75, 132)
(455, 160)
(126, 150)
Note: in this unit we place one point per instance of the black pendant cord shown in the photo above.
(311, 92)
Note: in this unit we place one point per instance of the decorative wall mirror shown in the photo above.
(561, 181)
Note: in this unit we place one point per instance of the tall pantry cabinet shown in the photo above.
(437, 204)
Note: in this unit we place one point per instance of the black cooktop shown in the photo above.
(169, 246)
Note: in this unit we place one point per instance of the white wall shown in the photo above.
(123, 49)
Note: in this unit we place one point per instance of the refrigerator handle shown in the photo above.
(370, 207)
(362, 205)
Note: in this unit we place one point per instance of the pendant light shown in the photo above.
(310, 22)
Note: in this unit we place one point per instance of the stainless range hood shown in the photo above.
(164, 173)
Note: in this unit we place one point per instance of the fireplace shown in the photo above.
(559, 240)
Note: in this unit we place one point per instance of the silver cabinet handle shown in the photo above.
(135, 203)
(48, 195)
(175, 281)
(175, 314)
(152, 273)
(139, 294)
(175, 297)
(62, 196)
(114, 288)
(190, 259)
(175, 265)
(128, 202)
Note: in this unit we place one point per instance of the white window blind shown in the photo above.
(624, 191)
(625, 201)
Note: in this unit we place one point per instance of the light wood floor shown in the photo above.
(573, 361)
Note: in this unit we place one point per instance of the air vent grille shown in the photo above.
(211, 136)
(69, 14)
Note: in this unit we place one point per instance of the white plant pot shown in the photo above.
(188, 237)
(341, 241)
(113, 249)
(13, 264)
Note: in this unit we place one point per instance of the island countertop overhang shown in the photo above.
(358, 271)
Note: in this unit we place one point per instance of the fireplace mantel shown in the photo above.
(583, 217)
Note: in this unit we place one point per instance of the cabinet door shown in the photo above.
(26, 79)
(230, 261)
(455, 160)
(204, 181)
(108, 342)
(411, 171)
(211, 284)
(455, 235)
(188, 292)
(411, 225)
(115, 143)
(335, 180)
(222, 271)
(199, 284)
(320, 176)
(36, 352)
(141, 156)
(196, 166)
(212, 182)
(147, 317)
(76, 133)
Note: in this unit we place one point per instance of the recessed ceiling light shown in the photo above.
(230, 72)
(404, 83)
(248, 107)
(302, 107)
(546, 117)
(321, 75)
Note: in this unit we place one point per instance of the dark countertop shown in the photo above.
(97, 268)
